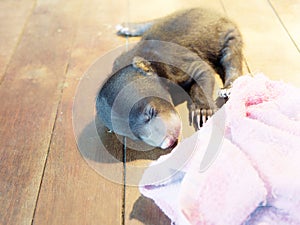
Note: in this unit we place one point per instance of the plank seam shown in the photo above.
(18, 41)
(124, 182)
(247, 66)
(49, 145)
(223, 7)
(285, 28)
(61, 87)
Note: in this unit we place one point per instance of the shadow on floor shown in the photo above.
(147, 212)
(103, 146)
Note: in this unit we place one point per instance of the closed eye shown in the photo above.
(150, 114)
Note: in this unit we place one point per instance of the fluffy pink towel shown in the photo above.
(254, 178)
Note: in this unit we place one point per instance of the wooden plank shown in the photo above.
(72, 192)
(139, 209)
(288, 13)
(268, 47)
(143, 10)
(29, 97)
(13, 17)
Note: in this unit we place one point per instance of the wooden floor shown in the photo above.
(45, 48)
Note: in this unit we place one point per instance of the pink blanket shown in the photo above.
(251, 149)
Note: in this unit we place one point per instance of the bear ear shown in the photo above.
(142, 64)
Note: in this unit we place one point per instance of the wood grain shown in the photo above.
(13, 18)
(75, 188)
(29, 97)
(268, 47)
(45, 48)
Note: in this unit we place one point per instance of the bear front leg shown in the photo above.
(202, 105)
